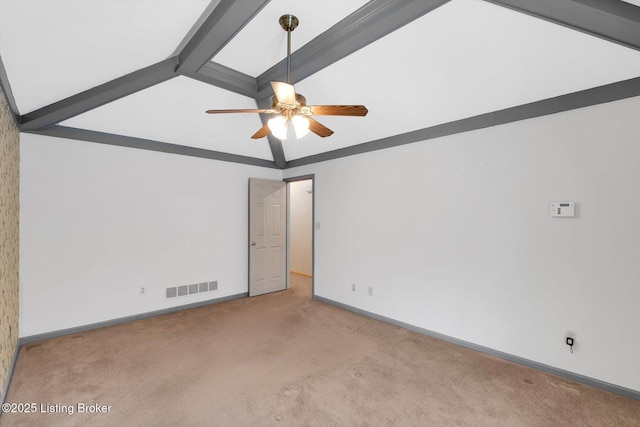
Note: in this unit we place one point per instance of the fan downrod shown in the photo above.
(288, 23)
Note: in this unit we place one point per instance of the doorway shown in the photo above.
(267, 236)
(300, 233)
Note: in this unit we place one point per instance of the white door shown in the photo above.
(267, 236)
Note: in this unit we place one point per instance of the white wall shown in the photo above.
(454, 236)
(300, 227)
(98, 222)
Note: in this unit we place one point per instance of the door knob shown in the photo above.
(253, 243)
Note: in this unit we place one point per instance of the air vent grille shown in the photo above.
(186, 290)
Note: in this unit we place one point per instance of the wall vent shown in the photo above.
(186, 290)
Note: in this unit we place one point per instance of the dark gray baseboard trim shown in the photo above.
(12, 366)
(623, 391)
(84, 328)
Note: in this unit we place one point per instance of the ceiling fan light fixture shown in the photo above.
(278, 127)
(300, 125)
(291, 108)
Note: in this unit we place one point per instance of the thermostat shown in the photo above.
(562, 209)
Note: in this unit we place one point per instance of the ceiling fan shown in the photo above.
(290, 107)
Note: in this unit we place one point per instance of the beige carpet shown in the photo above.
(285, 360)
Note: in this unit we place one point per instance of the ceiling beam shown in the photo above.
(99, 95)
(276, 149)
(196, 26)
(584, 98)
(226, 78)
(223, 23)
(8, 94)
(147, 144)
(371, 22)
(612, 20)
(274, 143)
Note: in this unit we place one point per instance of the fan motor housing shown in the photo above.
(301, 100)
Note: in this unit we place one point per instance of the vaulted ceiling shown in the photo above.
(141, 73)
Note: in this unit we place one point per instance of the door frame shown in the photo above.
(313, 228)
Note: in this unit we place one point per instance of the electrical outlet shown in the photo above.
(370, 291)
(570, 339)
(142, 290)
(353, 287)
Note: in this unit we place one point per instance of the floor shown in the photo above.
(283, 359)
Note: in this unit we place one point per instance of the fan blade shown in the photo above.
(339, 110)
(318, 128)
(285, 93)
(264, 130)
(240, 111)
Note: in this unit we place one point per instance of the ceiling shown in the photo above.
(141, 73)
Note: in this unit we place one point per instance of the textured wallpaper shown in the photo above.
(9, 217)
